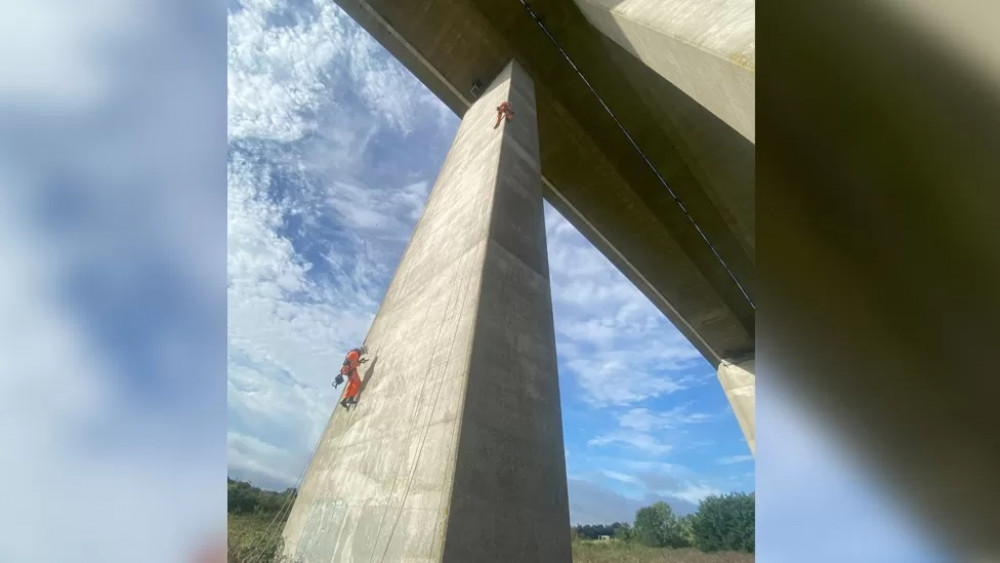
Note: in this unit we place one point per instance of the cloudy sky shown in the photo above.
(333, 148)
(112, 288)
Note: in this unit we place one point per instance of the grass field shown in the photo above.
(247, 537)
(248, 541)
(619, 552)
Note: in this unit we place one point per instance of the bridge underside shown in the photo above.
(592, 173)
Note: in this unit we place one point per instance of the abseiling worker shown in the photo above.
(350, 370)
(503, 111)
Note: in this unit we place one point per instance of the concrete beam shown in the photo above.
(738, 381)
(707, 48)
(455, 450)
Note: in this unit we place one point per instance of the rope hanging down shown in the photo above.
(656, 172)
(258, 548)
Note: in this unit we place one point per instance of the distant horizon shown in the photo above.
(572, 524)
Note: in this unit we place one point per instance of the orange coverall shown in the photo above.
(350, 370)
(503, 110)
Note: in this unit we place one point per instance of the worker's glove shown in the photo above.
(362, 360)
(338, 380)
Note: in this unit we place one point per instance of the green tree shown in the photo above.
(622, 532)
(686, 525)
(244, 498)
(657, 526)
(725, 523)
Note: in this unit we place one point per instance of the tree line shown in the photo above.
(722, 523)
(246, 499)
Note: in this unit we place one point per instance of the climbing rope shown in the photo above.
(656, 172)
(258, 547)
(461, 297)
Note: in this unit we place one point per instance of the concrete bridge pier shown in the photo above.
(455, 450)
(738, 381)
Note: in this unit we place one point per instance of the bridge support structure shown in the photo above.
(739, 382)
(455, 450)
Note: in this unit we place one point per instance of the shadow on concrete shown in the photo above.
(367, 377)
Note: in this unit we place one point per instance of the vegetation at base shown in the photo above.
(721, 531)
(722, 523)
(256, 518)
(595, 531)
(245, 499)
(614, 551)
(725, 522)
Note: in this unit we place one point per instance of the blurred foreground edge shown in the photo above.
(878, 175)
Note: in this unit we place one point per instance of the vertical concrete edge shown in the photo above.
(442, 534)
(738, 381)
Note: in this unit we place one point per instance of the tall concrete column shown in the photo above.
(455, 450)
(707, 48)
(738, 382)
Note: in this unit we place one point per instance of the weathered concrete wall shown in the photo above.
(707, 48)
(455, 450)
(738, 381)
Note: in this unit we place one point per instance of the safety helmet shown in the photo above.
(362, 350)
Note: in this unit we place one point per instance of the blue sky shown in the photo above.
(333, 148)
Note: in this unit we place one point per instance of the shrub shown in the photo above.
(657, 526)
(725, 523)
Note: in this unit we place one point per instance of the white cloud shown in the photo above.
(646, 481)
(637, 369)
(275, 73)
(109, 387)
(590, 503)
(636, 424)
(733, 459)
(68, 497)
(371, 212)
(52, 51)
(619, 476)
(621, 349)
(283, 78)
(308, 98)
(695, 493)
(645, 420)
(636, 440)
(287, 333)
(266, 465)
